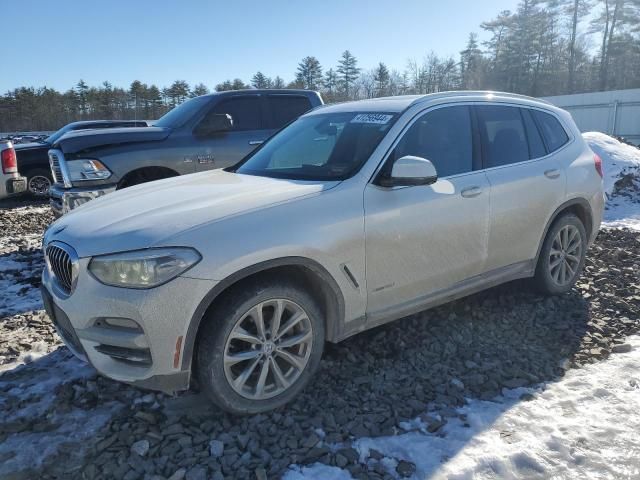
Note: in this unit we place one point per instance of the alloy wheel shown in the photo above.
(39, 185)
(565, 255)
(268, 349)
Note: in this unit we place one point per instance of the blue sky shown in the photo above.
(55, 43)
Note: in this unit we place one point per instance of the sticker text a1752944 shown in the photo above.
(375, 118)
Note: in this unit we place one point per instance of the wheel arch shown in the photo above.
(162, 172)
(578, 206)
(321, 284)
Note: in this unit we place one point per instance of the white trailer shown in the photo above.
(616, 112)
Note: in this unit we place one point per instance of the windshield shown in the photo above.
(51, 139)
(179, 115)
(330, 146)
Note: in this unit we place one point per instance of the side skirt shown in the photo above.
(462, 289)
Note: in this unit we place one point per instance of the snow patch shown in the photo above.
(50, 428)
(583, 426)
(618, 159)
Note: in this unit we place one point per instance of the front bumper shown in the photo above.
(90, 320)
(12, 185)
(63, 200)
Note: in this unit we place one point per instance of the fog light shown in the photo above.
(125, 323)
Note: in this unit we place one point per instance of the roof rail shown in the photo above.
(470, 93)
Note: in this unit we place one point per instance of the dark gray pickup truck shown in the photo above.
(211, 131)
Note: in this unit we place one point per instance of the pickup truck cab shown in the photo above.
(33, 158)
(207, 132)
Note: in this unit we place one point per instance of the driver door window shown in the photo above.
(442, 136)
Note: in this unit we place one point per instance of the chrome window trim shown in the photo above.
(470, 103)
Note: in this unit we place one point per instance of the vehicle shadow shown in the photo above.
(367, 386)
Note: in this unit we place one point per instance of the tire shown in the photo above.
(561, 258)
(38, 182)
(219, 344)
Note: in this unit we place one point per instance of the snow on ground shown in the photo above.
(584, 426)
(618, 160)
(17, 272)
(49, 426)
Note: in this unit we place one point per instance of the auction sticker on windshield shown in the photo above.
(376, 118)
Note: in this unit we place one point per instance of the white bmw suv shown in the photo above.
(354, 215)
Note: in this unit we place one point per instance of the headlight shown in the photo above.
(87, 169)
(143, 268)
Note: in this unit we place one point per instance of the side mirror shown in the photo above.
(214, 124)
(410, 171)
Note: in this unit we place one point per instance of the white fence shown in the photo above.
(616, 112)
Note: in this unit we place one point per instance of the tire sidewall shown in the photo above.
(543, 273)
(210, 352)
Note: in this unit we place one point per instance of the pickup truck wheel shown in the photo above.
(38, 182)
(562, 256)
(259, 350)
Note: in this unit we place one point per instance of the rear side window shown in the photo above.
(504, 139)
(245, 112)
(442, 136)
(536, 144)
(284, 108)
(554, 134)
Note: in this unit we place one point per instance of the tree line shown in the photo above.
(544, 47)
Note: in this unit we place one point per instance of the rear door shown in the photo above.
(249, 130)
(527, 181)
(283, 108)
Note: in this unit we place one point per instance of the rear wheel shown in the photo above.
(562, 256)
(260, 348)
(38, 182)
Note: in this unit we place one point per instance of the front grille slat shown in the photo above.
(61, 266)
(56, 170)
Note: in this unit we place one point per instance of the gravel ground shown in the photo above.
(422, 366)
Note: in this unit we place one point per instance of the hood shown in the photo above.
(145, 215)
(23, 147)
(81, 140)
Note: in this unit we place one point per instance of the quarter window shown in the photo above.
(285, 108)
(503, 135)
(245, 112)
(554, 134)
(442, 136)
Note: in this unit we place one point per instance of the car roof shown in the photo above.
(402, 102)
(257, 91)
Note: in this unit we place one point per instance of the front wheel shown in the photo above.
(260, 348)
(562, 256)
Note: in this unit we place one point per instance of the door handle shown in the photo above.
(256, 142)
(552, 173)
(471, 192)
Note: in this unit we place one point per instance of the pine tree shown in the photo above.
(260, 80)
(470, 60)
(199, 90)
(82, 89)
(330, 82)
(309, 73)
(381, 77)
(349, 71)
(239, 85)
(278, 82)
